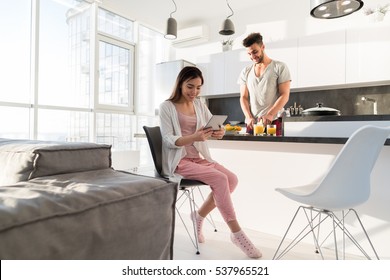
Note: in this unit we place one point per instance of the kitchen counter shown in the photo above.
(318, 129)
(290, 139)
(331, 126)
(263, 163)
(338, 118)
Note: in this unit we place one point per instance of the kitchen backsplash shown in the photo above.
(229, 106)
(348, 101)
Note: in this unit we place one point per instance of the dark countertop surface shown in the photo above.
(289, 139)
(338, 118)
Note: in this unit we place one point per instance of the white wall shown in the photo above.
(276, 22)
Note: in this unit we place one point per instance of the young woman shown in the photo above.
(186, 154)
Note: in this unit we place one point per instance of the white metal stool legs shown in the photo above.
(209, 217)
(189, 195)
(194, 238)
(314, 223)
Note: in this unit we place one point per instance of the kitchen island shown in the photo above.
(331, 126)
(263, 163)
(290, 139)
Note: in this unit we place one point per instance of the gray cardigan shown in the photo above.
(171, 131)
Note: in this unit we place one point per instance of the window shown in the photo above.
(75, 81)
(153, 48)
(15, 25)
(116, 74)
(116, 125)
(63, 125)
(19, 127)
(115, 25)
(116, 130)
(64, 59)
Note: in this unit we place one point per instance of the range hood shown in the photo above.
(328, 9)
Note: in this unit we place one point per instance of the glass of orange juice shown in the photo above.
(271, 129)
(258, 129)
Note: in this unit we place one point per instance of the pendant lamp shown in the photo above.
(227, 25)
(328, 9)
(171, 26)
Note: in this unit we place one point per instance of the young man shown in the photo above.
(264, 85)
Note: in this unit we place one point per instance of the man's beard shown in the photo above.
(260, 59)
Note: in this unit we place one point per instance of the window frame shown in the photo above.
(131, 48)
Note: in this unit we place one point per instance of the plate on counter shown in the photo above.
(233, 132)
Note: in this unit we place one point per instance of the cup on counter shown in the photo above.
(271, 129)
(258, 129)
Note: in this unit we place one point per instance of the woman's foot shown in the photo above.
(242, 241)
(199, 223)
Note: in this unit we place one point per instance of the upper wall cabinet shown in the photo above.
(368, 54)
(212, 67)
(287, 52)
(321, 59)
(221, 71)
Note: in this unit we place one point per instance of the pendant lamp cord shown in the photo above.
(229, 8)
(175, 8)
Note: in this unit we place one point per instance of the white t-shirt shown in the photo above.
(263, 90)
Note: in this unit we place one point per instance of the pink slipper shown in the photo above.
(199, 223)
(242, 241)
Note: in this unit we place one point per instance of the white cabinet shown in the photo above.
(213, 69)
(235, 62)
(221, 71)
(368, 54)
(166, 74)
(328, 59)
(321, 59)
(287, 52)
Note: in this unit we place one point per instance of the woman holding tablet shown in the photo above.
(185, 154)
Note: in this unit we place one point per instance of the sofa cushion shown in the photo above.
(23, 160)
(101, 214)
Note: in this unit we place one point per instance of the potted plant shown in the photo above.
(227, 44)
(378, 13)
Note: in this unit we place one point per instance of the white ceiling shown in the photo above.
(155, 13)
(275, 19)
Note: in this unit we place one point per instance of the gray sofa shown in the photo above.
(64, 201)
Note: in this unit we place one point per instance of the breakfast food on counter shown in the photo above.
(229, 127)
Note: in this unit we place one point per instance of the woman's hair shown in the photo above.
(251, 39)
(187, 73)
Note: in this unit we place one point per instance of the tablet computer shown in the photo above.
(216, 122)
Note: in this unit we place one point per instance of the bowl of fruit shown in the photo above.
(232, 129)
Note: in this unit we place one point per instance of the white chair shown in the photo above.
(187, 186)
(345, 185)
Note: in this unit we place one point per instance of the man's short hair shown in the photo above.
(251, 39)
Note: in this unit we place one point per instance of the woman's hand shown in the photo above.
(203, 134)
(218, 134)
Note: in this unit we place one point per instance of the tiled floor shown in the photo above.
(219, 247)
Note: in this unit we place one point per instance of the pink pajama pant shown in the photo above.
(221, 181)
